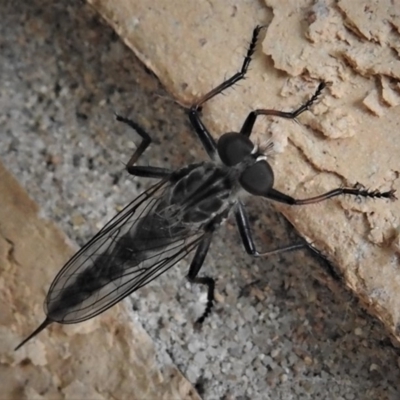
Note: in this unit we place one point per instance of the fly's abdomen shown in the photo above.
(110, 269)
(157, 231)
(89, 286)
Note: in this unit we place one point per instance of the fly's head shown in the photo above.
(238, 151)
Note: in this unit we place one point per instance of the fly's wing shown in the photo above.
(134, 248)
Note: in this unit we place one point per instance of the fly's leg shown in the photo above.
(146, 172)
(274, 194)
(251, 118)
(142, 133)
(236, 77)
(194, 269)
(204, 135)
(243, 224)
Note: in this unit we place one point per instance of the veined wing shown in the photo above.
(136, 246)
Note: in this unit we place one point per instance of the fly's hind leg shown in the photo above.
(137, 170)
(194, 269)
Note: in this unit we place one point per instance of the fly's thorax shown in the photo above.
(254, 173)
(201, 191)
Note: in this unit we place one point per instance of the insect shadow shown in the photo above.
(176, 216)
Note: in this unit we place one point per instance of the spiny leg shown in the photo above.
(251, 118)
(194, 269)
(246, 235)
(148, 171)
(274, 194)
(236, 77)
(204, 135)
(142, 171)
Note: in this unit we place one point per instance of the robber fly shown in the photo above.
(176, 216)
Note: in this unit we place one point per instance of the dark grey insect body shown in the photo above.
(176, 216)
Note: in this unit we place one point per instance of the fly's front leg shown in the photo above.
(274, 194)
(243, 224)
(204, 135)
(194, 269)
(251, 118)
(146, 172)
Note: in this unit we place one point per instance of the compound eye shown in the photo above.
(233, 148)
(257, 179)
